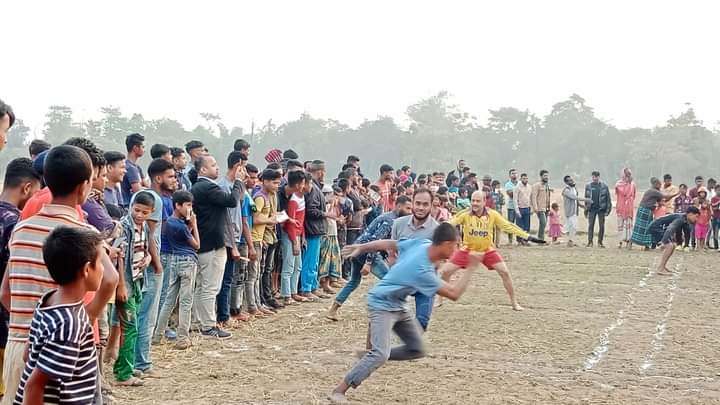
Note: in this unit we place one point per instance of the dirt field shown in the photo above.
(598, 329)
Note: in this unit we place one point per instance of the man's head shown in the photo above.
(595, 176)
(242, 145)
(235, 161)
(512, 174)
(444, 240)
(207, 166)
(386, 172)
(667, 179)
(162, 175)
(544, 176)
(7, 119)
(182, 203)
(487, 180)
(100, 179)
(406, 170)
(195, 149)
(135, 145)
(683, 189)
(252, 176)
(115, 166)
(711, 183)
(294, 165)
(699, 180)
(353, 160)
(461, 164)
(290, 154)
(142, 207)
(403, 206)
(179, 158)
(343, 186)
(421, 204)
(67, 172)
(692, 213)
(270, 180)
(97, 157)
(655, 183)
(296, 182)
(21, 180)
(160, 151)
(317, 170)
(569, 180)
(38, 146)
(73, 255)
(477, 202)
(524, 178)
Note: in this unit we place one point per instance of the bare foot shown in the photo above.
(664, 272)
(337, 398)
(517, 307)
(332, 315)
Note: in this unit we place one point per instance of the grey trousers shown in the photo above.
(382, 323)
(542, 218)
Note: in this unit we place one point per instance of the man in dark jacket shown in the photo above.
(314, 230)
(599, 207)
(210, 204)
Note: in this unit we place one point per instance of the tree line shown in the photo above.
(571, 139)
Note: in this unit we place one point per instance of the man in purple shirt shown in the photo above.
(134, 178)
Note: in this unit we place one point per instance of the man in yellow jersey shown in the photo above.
(478, 225)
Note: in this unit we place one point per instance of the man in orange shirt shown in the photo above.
(385, 183)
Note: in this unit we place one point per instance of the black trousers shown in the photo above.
(268, 262)
(592, 215)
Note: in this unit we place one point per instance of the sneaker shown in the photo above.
(170, 334)
(216, 333)
(183, 344)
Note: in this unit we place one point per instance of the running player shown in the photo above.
(413, 272)
(478, 224)
(665, 230)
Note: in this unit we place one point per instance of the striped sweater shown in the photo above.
(27, 275)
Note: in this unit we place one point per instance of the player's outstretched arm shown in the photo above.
(356, 250)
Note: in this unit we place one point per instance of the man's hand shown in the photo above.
(365, 269)
(536, 240)
(350, 251)
(252, 253)
(145, 261)
(296, 249)
(518, 214)
(235, 254)
(121, 294)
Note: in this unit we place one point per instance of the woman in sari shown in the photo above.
(625, 192)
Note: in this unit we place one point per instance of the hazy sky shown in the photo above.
(636, 62)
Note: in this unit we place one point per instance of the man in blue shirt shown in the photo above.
(414, 272)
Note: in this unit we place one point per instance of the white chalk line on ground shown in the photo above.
(603, 345)
(661, 327)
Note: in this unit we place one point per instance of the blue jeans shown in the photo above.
(291, 265)
(147, 317)
(180, 274)
(423, 309)
(524, 221)
(222, 300)
(310, 263)
(379, 269)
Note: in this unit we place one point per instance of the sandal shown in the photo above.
(131, 382)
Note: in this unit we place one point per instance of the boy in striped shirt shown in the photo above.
(62, 361)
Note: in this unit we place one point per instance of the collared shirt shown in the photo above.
(236, 222)
(672, 190)
(404, 228)
(28, 277)
(112, 195)
(521, 194)
(682, 202)
(510, 187)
